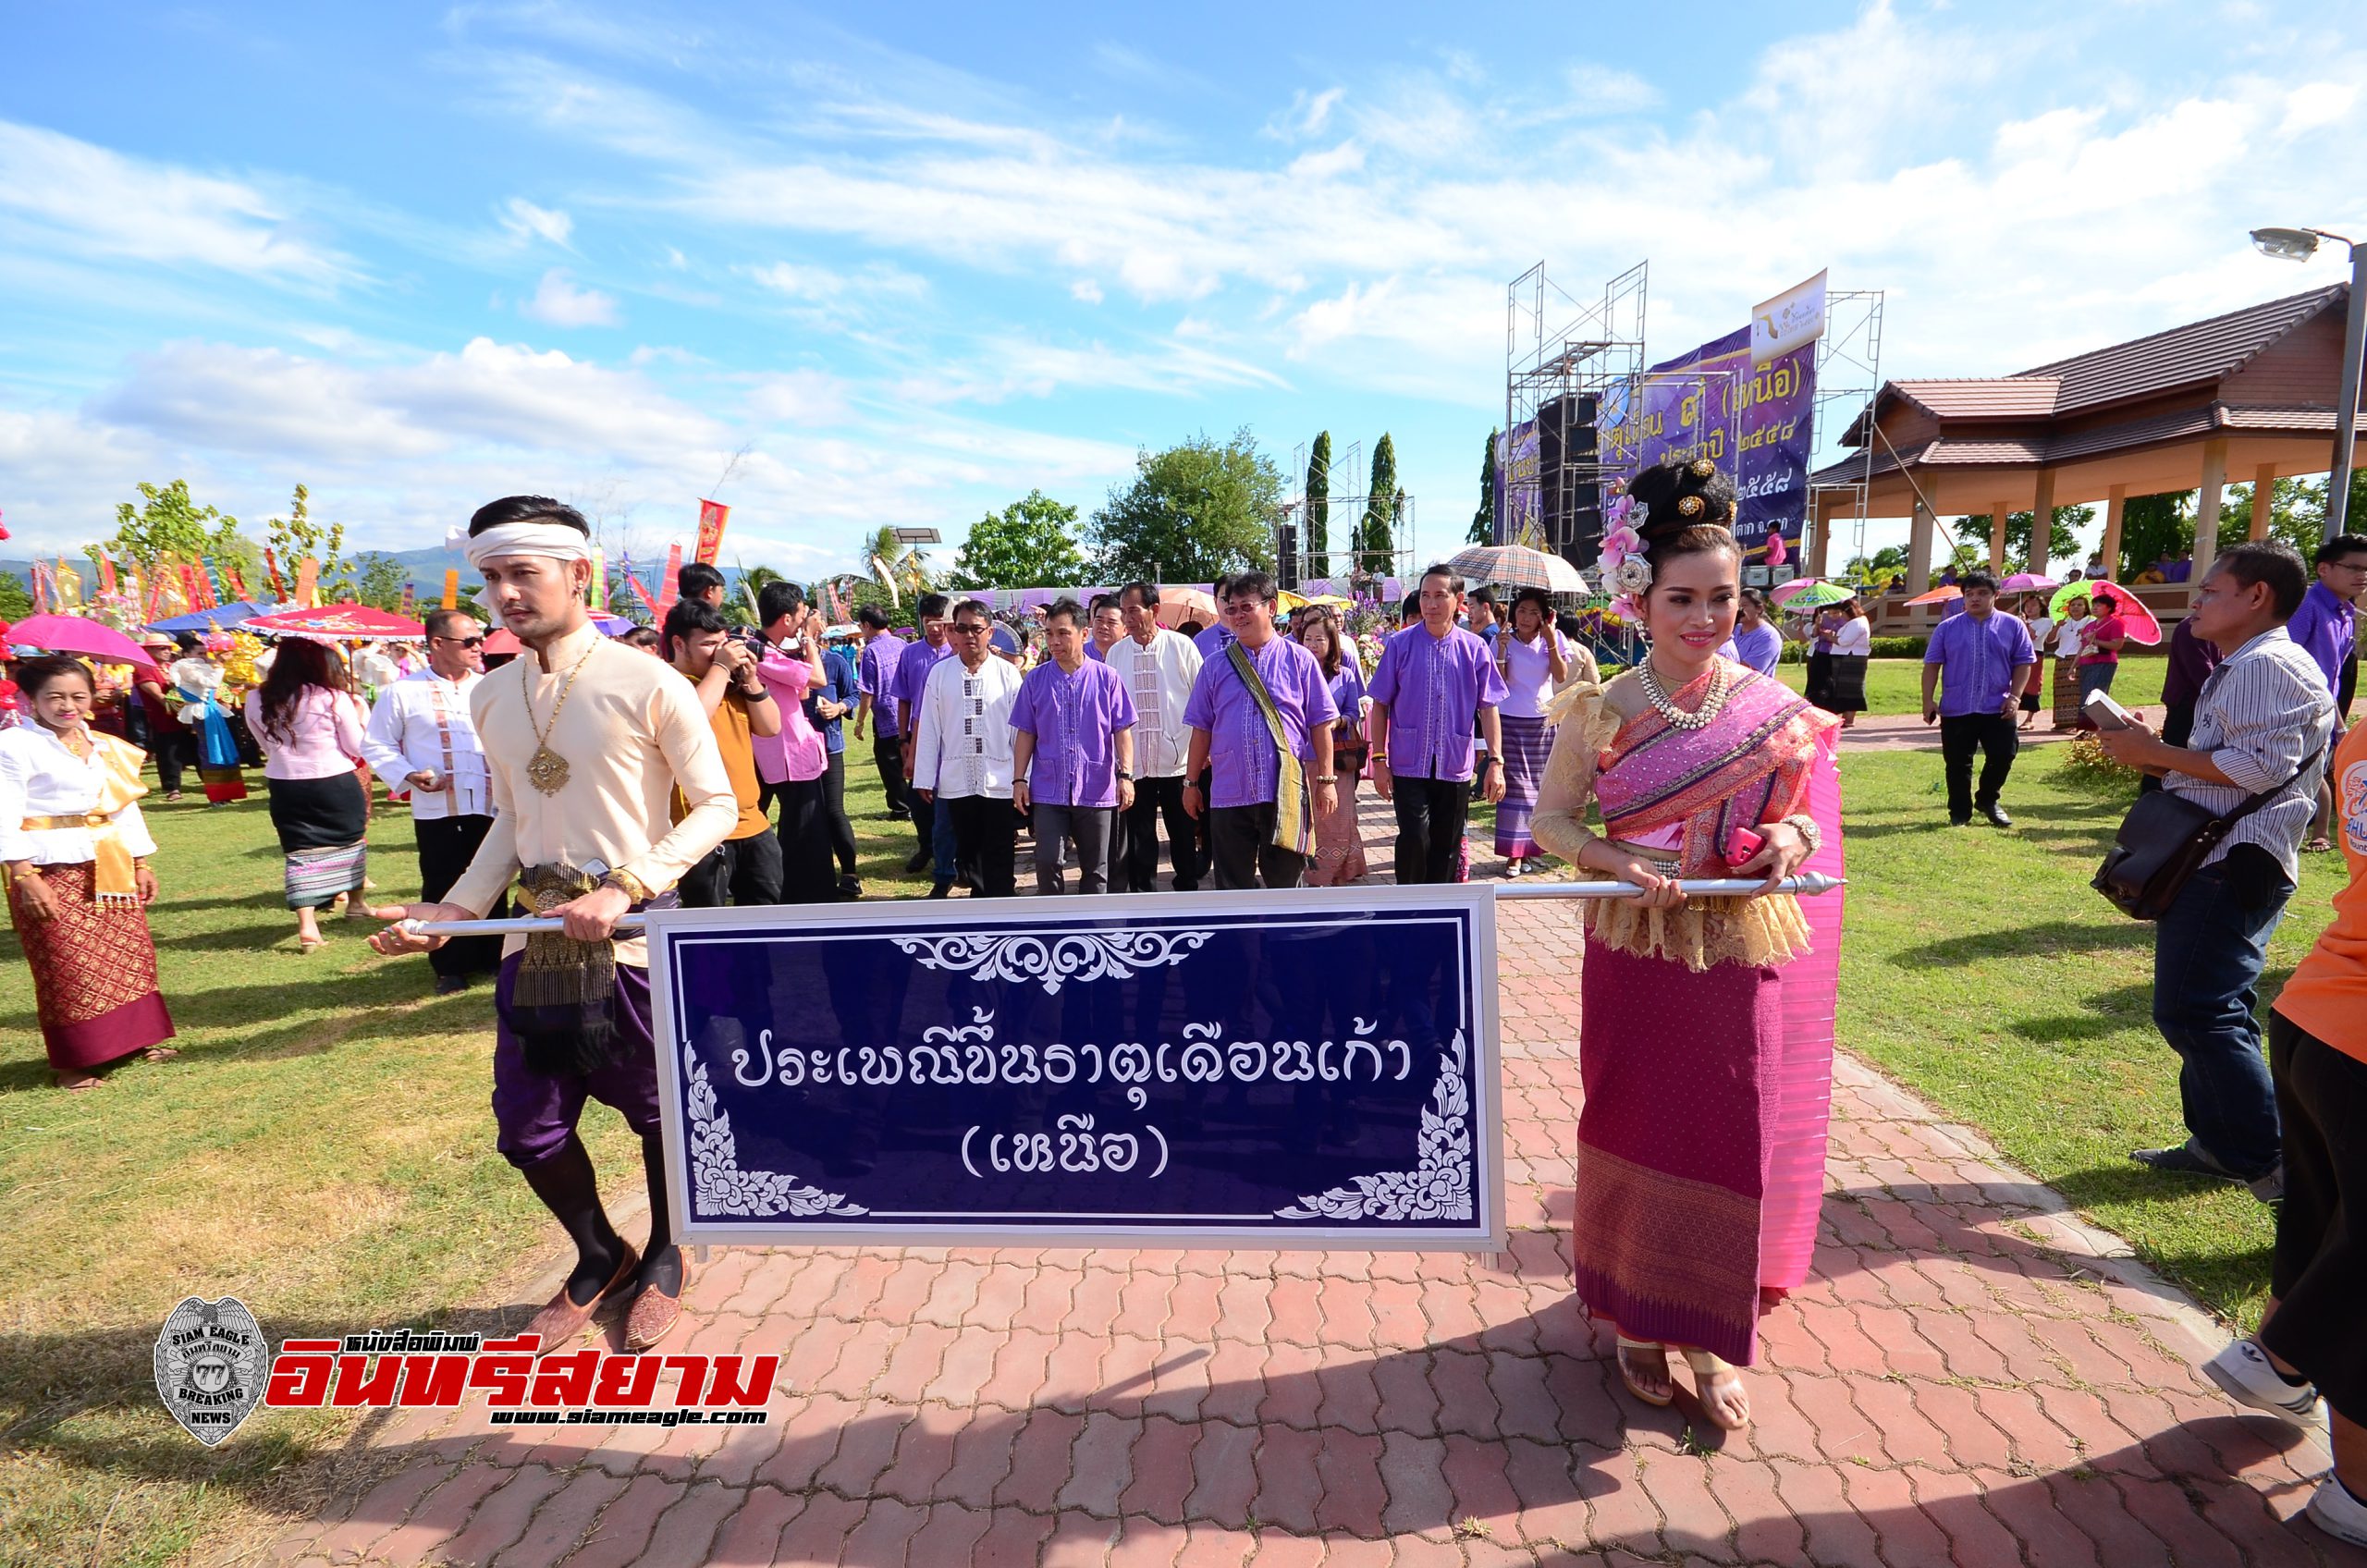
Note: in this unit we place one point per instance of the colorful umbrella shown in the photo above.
(2027, 582)
(1332, 601)
(1177, 606)
(77, 634)
(1809, 594)
(358, 622)
(221, 617)
(1938, 595)
(2142, 627)
(1517, 566)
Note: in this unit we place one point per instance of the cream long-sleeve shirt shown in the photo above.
(421, 724)
(961, 730)
(631, 732)
(1158, 677)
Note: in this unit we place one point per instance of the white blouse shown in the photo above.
(1530, 681)
(39, 778)
(1853, 637)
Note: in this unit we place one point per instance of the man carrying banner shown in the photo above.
(961, 759)
(875, 677)
(422, 738)
(1158, 667)
(1434, 683)
(912, 667)
(1261, 717)
(586, 747)
(1072, 753)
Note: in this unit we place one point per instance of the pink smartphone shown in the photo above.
(1746, 844)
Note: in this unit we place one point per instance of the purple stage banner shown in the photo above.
(1684, 409)
(1519, 500)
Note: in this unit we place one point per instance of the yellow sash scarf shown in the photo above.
(119, 785)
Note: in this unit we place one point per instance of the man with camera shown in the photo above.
(2261, 725)
(745, 868)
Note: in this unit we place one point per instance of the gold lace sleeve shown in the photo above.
(1577, 713)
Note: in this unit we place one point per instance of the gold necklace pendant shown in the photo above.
(546, 770)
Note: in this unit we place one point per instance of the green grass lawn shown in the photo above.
(1896, 685)
(325, 1149)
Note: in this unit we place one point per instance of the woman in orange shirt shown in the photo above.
(2311, 1342)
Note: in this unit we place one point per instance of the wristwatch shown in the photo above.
(1127, 773)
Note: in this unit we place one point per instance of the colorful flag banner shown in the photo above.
(69, 585)
(308, 584)
(642, 595)
(595, 593)
(451, 588)
(669, 587)
(278, 588)
(234, 580)
(41, 586)
(713, 515)
(410, 602)
(107, 569)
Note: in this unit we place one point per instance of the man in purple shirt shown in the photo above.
(1981, 658)
(1072, 753)
(914, 662)
(1231, 740)
(1108, 628)
(1434, 683)
(875, 679)
(2327, 628)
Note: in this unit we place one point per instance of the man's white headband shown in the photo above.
(528, 537)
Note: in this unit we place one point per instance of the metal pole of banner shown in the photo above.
(1707, 887)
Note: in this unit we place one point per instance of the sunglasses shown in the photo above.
(969, 629)
(464, 642)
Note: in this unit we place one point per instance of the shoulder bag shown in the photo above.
(2163, 842)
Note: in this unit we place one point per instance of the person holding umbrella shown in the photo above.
(2072, 621)
(2100, 649)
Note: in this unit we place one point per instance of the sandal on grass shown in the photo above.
(1719, 1386)
(158, 1053)
(75, 1082)
(1634, 1371)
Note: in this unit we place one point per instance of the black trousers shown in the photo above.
(1242, 850)
(446, 846)
(888, 751)
(175, 749)
(986, 828)
(1430, 814)
(1136, 853)
(2321, 1261)
(738, 871)
(1994, 737)
(807, 875)
(834, 814)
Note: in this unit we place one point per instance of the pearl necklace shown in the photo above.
(1701, 717)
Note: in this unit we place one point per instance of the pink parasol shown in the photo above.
(2027, 582)
(1177, 606)
(2142, 627)
(79, 634)
(1938, 595)
(359, 622)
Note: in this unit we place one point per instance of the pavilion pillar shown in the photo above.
(2264, 495)
(1919, 549)
(2206, 511)
(1997, 536)
(1821, 551)
(2041, 521)
(2115, 502)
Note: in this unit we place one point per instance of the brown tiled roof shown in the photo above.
(2260, 417)
(2001, 397)
(2202, 351)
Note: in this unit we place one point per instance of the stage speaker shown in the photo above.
(1568, 461)
(1286, 556)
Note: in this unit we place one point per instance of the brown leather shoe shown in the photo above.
(654, 1315)
(561, 1320)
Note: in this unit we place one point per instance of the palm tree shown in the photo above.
(900, 568)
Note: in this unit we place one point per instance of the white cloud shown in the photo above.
(96, 201)
(823, 286)
(1084, 291)
(1605, 90)
(526, 221)
(559, 302)
(798, 396)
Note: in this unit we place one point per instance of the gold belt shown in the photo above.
(111, 871)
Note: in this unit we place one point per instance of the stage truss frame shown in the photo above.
(1343, 514)
(1560, 353)
(1848, 377)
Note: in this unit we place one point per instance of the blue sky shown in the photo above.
(909, 263)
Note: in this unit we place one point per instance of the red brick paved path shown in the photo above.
(1970, 1377)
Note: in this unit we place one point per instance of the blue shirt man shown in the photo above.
(1981, 658)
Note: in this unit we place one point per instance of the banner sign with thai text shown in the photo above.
(1519, 502)
(1308, 1069)
(712, 516)
(1686, 408)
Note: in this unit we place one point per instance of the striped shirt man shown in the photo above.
(2261, 713)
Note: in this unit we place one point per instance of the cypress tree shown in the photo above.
(1380, 510)
(1483, 522)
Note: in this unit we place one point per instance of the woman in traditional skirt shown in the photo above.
(2071, 641)
(198, 686)
(2041, 627)
(1536, 662)
(1338, 842)
(1705, 1043)
(76, 852)
(1853, 646)
(310, 726)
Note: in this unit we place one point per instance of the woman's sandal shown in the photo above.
(1718, 1384)
(158, 1053)
(1627, 1370)
(306, 944)
(75, 1084)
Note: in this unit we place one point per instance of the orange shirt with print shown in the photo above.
(2327, 994)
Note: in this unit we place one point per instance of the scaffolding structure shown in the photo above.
(1848, 376)
(1568, 365)
(1339, 565)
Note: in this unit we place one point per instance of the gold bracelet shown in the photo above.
(632, 886)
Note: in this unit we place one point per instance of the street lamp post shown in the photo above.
(2299, 245)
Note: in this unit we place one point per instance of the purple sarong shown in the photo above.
(1527, 742)
(536, 1112)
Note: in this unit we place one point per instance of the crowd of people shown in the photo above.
(613, 776)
